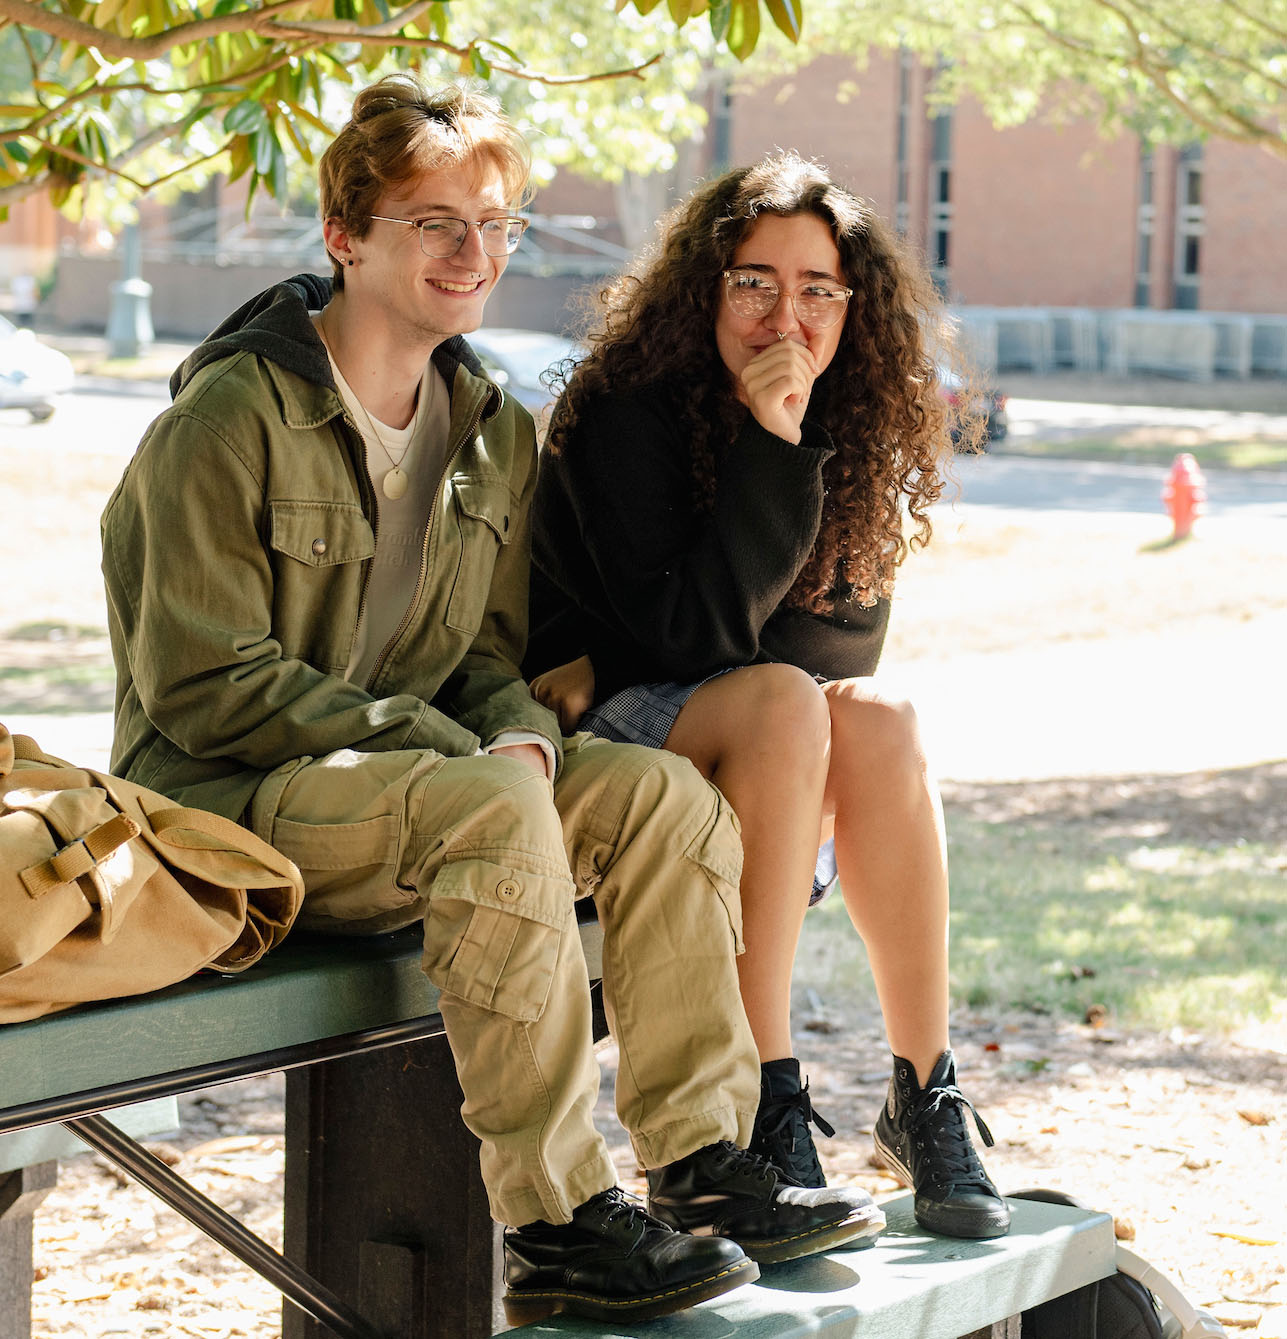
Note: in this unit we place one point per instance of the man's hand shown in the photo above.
(776, 384)
(532, 754)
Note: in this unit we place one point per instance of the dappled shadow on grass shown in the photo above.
(1237, 804)
(1151, 900)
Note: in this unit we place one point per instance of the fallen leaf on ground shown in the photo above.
(1246, 1240)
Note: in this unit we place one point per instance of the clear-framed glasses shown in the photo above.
(443, 237)
(818, 304)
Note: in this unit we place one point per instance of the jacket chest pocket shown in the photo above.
(318, 550)
(485, 515)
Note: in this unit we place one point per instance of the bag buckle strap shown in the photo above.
(79, 857)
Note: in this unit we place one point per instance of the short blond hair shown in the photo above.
(400, 129)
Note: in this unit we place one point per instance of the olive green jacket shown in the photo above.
(236, 554)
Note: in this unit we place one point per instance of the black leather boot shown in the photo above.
(733, 1193)
(921, 1136)
(781, 1132)
(614, 1261)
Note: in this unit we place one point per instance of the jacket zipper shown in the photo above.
(424, 548)
(373, 508)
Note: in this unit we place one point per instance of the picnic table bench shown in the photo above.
(387, 1233)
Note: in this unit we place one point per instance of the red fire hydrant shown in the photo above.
(1185, 494)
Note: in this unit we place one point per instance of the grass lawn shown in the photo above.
(1146, 447)
(1058, 920)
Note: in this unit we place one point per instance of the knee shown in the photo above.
(785, 711)
(503, 803)
(876, 729)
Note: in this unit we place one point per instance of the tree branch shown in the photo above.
(1228, 123)
(1278, 34)
(1219, 53)
(347, 31)
(63, 28)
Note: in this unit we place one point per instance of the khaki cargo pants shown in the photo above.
(478, 848)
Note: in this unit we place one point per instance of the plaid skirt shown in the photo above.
(645, 714)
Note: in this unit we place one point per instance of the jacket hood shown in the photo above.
(275, 325)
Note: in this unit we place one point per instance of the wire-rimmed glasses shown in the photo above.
(818, 304)
(441, 238)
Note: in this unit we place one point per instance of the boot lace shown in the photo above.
(783, 1132)
(738, 1160)
(614, 1207)
(939, 1131)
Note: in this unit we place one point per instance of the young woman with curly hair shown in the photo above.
(730, 479)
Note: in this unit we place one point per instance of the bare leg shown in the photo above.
(891, 853)
(761, 735)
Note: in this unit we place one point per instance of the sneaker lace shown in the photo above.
(794, 1111)
(784, 1126)
(937, 1116)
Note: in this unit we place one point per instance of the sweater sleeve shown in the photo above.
(692, 588)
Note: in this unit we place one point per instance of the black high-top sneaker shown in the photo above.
(733, 1193)
(781, 1132)
(922, 1137)
(615, 1262)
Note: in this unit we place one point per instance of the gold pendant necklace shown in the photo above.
(394, 484)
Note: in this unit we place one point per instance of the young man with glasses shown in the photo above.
(317, 570)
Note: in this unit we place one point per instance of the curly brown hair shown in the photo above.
(879, 398)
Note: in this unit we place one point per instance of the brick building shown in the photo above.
(1042, 214)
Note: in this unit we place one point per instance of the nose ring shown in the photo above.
(781, 335)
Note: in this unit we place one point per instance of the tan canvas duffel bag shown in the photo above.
(110, 889)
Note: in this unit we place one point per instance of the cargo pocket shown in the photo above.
(493, 934)
(717, 851)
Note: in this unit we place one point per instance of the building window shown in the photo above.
(941, 200)
(902, 180)
(1145, 218)
(1190, 224)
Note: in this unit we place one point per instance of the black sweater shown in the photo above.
(627, 570)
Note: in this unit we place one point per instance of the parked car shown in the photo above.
(32, 375)
(988, 401)
(516, 360)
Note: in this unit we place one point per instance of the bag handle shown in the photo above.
(223, 830)
(79, 857)
(25, 749)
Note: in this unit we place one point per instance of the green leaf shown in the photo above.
(238, 157)
(16, 150)
(680, 11)
(300, 143)
(478, 64)
(743, 27)
(788, 15)
(264, 146)
(720, 12)
(276, 177)
(507, 51)
(315, 121)
(245, 118)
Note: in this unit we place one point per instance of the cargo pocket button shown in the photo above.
(319, 547)
(508, 889)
